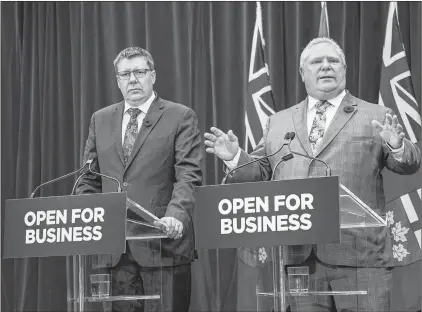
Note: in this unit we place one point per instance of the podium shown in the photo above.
(90, 238)
(332, 207)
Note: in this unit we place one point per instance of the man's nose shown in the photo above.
(132, 78)
(325, 64)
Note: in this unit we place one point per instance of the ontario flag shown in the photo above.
(396, 92)
(254, 263)
(260, 104)
(403, 193)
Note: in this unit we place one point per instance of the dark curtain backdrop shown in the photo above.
(57, 70)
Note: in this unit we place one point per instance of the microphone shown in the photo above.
(89, 161)
(328, 170)
(284, 158)
(287, 141)
(119, 187)
(160, 225)
(58, 179)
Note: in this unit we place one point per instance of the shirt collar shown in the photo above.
(335, 101)
(143, 107)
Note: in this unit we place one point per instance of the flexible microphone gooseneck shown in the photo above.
(328, 170)
(57, 179)
(284, 158)
(160, 225)
(286, 142)
(119, 187)
(89, 161)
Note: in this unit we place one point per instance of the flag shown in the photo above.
(324, 29)
(259, 106)
(260, 103)
(396, 92)
(404, 218)
(254, 264)
(403, 193)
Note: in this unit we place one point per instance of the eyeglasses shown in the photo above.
(139, 73)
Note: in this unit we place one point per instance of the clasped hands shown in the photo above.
(174, 227)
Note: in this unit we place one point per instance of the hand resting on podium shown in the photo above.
(174, 228)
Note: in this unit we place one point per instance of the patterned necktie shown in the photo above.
(318, 125)
(131, 132)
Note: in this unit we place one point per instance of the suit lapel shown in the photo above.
(339, 121)
(117, 119)
(301, 125)
(154, 114)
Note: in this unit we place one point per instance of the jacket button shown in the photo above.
(125, 184)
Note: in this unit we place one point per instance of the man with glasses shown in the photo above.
(153, 147)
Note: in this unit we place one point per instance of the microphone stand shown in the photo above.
(78, 263)
(287, 140)
(281, 251)
(74, 262)
(119, 187)
(328, 169)
(284, 158)
(57, 179)
(89, 162)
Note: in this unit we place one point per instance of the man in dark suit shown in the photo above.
(153, 147)
(358, 140)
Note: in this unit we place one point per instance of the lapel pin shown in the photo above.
(349, 109)
(147, 123)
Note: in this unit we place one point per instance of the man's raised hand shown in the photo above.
(224, 146)
(391, 131)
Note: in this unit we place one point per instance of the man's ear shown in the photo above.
(301, 74)
(153, 76)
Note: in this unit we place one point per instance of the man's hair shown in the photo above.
(305, 52)
(132, 52)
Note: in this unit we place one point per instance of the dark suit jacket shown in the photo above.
(161, 173)
(355, 153)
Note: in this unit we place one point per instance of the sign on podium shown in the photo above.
(290, 212)
(65, 225)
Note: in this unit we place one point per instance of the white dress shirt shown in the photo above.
(329, 113)
(126, 116)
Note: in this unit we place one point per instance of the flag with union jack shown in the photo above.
(259, 106)
(403, 193)
(404, 211)
(260, 103)
(255, 273)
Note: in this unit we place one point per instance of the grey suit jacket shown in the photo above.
(355, 152)
(161, 173)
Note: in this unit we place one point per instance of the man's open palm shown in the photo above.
(391, 131)
(224, 146)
